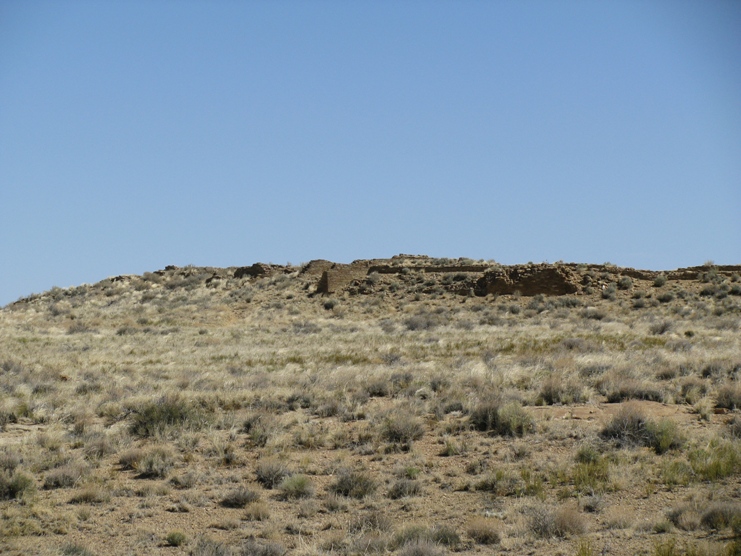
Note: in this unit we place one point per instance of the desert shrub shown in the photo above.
(259, 427)
(185, 481)
(509, 419)
(90, 495)
(660, 281)
(625, 283)
(631, 389)
(271, 472)
(9, 461)
(257, 511)
(252, 547)
(75, 550)
(665, 297)
(176, 538)
(156, 463)
(421, 548)
(562, 522)
(591, 476)
(370, 521)
(209, 547)
(239, 498)
(130, 458)
(402, 428)
(296, 486)
(483, 531)
(568, 521)
(734, 427)
(721, 515)
(663, 435)
(659, 328)
(403, 488)
(15, 485)
(156, 417)
(677, 472)
(631, 427)
(354, 484)
(422, 321)
(64, 477)
(555, 390)
(610, 292)
(729, 396)
(719, 459)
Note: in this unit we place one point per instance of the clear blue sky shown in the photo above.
(138, 134)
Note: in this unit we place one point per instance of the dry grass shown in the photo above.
(189, 411)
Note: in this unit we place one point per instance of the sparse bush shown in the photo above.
(239, 498)
(483, 531)
(720, 459)
(130, 458)
(208, 547)
(64, 477)
(176, 538)
(631, 427)
(15, 485)
(252, 547)
(354, 484)
(721, 515)
(157, 417)
(421, 548)
(257, 511)
(270, 473)
(75, 550)
(156, 463)
(660, 281)
(402, 428)
(659, 328)
(259, 427)
(90, 495)
(729, 396)
(507, 420)
(404, 487)
(625, 283)
(296, 486)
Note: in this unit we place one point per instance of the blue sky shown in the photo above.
(135, 134)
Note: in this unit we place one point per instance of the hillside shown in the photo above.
(408, 405)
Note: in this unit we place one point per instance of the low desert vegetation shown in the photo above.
(209, 411)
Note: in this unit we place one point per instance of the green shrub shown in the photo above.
(660, 281)
(720, 459)
(296, 486)
(176, 538)
(663, 436)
